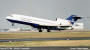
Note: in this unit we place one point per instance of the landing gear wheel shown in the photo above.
(12, 24)
(40, 30)
(48, 30)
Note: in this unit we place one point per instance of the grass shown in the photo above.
(62, 43)
(43, 35)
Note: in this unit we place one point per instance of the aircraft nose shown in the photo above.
(8, 17)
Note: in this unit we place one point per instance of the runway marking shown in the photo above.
(44, 39)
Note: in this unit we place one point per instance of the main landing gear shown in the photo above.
(48, 30)
(40, 30)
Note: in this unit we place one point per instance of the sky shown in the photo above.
(47, 9)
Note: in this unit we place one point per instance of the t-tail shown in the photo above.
(73, 18)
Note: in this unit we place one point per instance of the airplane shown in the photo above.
(40, 24)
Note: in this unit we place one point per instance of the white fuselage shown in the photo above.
(39, 21)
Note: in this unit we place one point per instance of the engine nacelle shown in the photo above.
(63, 22)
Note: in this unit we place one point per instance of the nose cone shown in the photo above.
(8, 17)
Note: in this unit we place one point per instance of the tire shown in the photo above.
(48, 30)
(40, 30)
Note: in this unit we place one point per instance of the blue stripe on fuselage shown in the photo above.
(22, 22)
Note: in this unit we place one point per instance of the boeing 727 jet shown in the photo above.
(40, 24)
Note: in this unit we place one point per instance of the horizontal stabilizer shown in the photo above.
(73, 18)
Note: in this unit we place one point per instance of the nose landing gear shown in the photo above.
(12, 24)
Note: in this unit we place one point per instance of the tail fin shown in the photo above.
(73, 18)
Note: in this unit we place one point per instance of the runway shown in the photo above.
(46, 48)
(43, 39)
